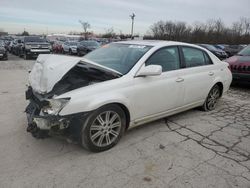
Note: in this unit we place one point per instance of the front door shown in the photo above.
(158, 94)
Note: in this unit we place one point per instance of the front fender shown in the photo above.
(92, 103)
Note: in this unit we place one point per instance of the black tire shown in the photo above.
(26, 56)
(212, 98)
(88, 134)
(70, 52)
(19, 54)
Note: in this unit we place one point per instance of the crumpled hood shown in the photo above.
(48, 70)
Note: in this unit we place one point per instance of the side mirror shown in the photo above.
(150, 70)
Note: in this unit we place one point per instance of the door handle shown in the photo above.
(211, 73)
(179, 80)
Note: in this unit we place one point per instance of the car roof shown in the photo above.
(155, 43)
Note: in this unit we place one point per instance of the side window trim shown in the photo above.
(203, 52)
(208, 57)
(179, 55)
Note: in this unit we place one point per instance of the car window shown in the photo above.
(193, 57)
(245, 51)
(83, 43)
(168, 58)
(207, 59)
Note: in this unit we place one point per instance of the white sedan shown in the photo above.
(70, 47)
(120, 85)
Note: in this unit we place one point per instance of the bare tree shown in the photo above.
(237, 28)
(109, 33)
(245, 24)
(85, 26)
(213, 31)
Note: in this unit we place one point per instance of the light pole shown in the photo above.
(132, 28)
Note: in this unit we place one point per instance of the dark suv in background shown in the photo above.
(33, 46)
(232, 49)
(86, 46)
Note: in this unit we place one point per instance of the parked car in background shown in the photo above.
(220, 46)
(218, 52)
(102, 41)
(17, 46)
(240, 65)
(33, 46)
(57, 47)
(10, 46)
(97, 97)
(86, 46)
(233, 49)
(70, 47)
(3, 51)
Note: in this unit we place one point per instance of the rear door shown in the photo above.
(198, 74)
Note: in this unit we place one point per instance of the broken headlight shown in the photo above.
(55, 106)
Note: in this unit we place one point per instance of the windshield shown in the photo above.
(120, 57)
(72, 43)
(90, 43)
(245, 51)
(34, 39)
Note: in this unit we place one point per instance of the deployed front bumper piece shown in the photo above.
(41, 125)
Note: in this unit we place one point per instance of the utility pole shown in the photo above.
(132, 28)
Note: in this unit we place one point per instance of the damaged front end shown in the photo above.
(44, 119)
(49, 79)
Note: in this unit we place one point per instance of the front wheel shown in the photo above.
(212, 98)
(103, 128)
(70, 52)
(26, 56)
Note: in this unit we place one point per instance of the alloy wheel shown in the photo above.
(213, 97)
(105, 128)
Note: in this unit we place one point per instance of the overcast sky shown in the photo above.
(61, 16)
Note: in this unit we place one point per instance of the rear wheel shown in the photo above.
(103, 128)
(212, 98)
(78, 53)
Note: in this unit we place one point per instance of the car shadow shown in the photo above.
(240, 86)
